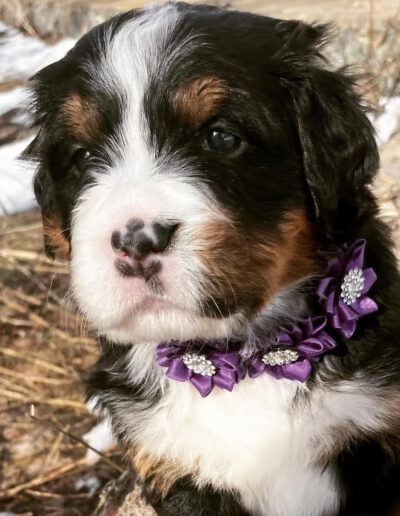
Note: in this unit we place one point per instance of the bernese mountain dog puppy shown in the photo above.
(208, 173)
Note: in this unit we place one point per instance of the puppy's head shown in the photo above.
(190, 158)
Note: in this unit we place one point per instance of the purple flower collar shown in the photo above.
(204, 365)
(343, 292)
(343, 298)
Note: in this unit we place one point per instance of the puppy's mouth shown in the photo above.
(131, 268)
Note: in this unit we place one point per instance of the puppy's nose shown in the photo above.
(139, 239)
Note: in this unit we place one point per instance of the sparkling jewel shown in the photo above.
(280, 357)
(199, 364)
(352, 285)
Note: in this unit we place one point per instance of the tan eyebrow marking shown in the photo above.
(81, 118)
(198, 99)
(160, 474)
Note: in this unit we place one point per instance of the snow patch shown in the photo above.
(16, 178)
(17, 100)
(13, 99)
(22, 56)
(99, 437)
(90, 484)
(388, 122)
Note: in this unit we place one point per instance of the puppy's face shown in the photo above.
(178, 168)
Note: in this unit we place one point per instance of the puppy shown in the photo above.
(207, 171)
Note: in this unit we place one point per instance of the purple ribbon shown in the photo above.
(344, 316)
(229, 367)
(308, 339)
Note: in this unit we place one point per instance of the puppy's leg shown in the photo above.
(185, 499)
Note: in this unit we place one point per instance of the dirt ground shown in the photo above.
(46, 348)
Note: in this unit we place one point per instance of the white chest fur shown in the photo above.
(252, 440)
(263, 439)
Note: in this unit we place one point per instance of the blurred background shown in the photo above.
(45, 345)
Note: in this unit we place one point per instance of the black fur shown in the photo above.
(371, 477)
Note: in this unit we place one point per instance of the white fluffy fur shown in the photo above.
(256, 439)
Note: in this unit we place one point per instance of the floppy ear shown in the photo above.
(47, 88)
(337, 141)
(55, 240)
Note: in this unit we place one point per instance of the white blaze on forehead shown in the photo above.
(134, 55)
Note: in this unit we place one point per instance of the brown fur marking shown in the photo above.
(54, 236)
(248, 269)
(198, 99)
(160, 474)
(81, 118)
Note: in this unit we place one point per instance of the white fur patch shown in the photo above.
(100, 437)
(256, 439)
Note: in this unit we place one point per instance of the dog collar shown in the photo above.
(343, 299)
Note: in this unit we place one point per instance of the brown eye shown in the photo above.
(80, 159)
(220, 140)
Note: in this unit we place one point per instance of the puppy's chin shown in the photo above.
(159, 322)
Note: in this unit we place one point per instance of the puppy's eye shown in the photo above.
(220, 140)
(80, 159)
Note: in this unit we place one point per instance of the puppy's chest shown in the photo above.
(256, 440)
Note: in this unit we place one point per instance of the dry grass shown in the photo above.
(45, 350)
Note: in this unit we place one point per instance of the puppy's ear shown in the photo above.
(47, 87)
(56, 243)
(337, 141)
(339, 151)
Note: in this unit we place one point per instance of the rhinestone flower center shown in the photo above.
(199, 364)
(280, 357)
(352, 286)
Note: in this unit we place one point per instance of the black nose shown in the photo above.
(141, 239)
